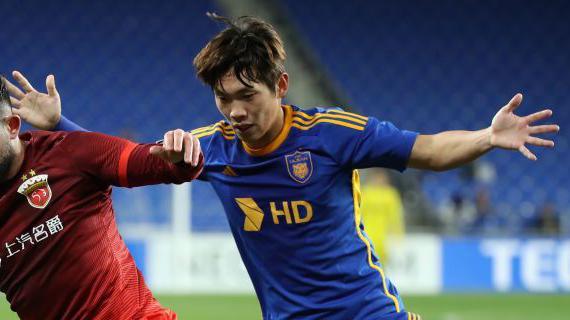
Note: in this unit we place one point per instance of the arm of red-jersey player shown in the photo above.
(112, 160)
(115, 161)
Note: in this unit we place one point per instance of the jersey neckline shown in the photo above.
(279, 139)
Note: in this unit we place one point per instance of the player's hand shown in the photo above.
(41, 110)
(178, 145)
(509, 131)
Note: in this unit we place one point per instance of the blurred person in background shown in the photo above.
(382, 211)
(548, 220)
(288, 181)
(458, 213)
(484, 219)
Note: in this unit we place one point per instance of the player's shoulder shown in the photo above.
(67, 140)
(51, 145)
(327, 120)
(217, 136)
(221, 129)
(45, 139)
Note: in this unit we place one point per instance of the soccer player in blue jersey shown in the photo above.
(288, 179)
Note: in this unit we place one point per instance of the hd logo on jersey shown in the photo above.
(36, 189)
(289, 212)
(299, 166)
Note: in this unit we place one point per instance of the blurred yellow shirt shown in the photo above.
(382, 214)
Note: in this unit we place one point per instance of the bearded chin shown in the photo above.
(6, 159)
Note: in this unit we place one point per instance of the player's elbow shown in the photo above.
(426, 155)
(431, 153)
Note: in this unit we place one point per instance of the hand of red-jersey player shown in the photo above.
(178, 145)
(509, 131)
(40, 110)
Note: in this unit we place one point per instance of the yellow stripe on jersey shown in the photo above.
(413, 316)
(226, 127)
(209, 133)
(357, 221)
(202, 129)
(318, 116)
(340, 123)
(302, 114)
(226, 130)
(350, 114)
(303, 121)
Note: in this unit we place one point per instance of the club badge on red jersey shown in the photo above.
(299, 166)
(36, 189)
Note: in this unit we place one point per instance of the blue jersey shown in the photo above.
(293, 209)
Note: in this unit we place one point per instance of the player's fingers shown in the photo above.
(538, 116)
(167, 144)
(188, 148)
(22, 81)
(549, 128)
(540, 142)
(50, 85)
(515, 102)
(197, 151)
(15, 102)
(524, 150)
(178, 140)
(14, 91)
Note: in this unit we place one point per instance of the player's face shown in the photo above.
(7, 153)
(254, 112)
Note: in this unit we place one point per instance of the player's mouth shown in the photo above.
(242, 128)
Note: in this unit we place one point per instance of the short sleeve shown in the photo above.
(377, 144)
(382, 144)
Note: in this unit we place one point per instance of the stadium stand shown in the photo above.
(122, 70)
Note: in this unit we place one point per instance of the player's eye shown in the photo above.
(248, 96)
(223, 98)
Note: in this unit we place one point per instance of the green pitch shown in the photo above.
(443, 307)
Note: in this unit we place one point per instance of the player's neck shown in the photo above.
(19, 151)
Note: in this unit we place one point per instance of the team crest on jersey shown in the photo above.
(299, 166)
(36, 189)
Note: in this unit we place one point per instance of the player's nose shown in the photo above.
(238, 114)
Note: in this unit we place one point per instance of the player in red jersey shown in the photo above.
(62, 256)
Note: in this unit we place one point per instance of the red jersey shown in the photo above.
(62, 256)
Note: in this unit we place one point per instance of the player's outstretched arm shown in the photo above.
(41, 110)
(179, 159)
(115, 161)
(450, 149)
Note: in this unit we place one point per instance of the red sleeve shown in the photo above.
(142, 168)
(120, 162)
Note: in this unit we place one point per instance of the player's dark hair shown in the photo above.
(5, 106)
(250, 47)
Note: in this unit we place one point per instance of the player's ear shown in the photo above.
(14, 124)
(282, 85)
